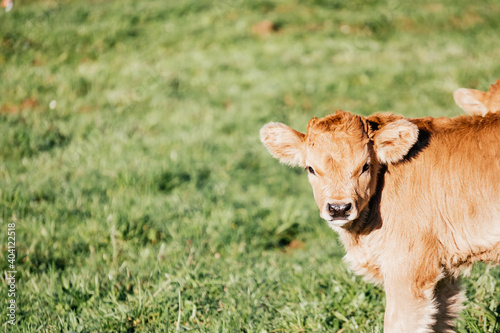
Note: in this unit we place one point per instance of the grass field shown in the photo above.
(131, 165)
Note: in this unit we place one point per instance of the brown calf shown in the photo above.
(476, 102)
(415, 202)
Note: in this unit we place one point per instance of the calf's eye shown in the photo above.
(366, 167)
(310, 170)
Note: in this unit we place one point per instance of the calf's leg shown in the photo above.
(410, 305)
(449, 298)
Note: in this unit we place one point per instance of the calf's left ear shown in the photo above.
(284, 143)
(394, 140)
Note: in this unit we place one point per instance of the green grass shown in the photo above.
(146, 189)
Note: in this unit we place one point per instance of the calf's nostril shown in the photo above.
(331, 208)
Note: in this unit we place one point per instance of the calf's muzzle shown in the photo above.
(339, 211)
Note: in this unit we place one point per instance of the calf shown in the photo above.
(476, 102)
(415, 202)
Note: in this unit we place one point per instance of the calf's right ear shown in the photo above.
(394, 140)
(284, 143)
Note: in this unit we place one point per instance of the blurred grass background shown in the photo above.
(131, 164)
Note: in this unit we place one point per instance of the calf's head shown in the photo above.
(342, 154)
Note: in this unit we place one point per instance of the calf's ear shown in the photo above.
(284, 143)
(471, 101)
(393, 141)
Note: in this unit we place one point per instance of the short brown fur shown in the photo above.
(425, 197)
